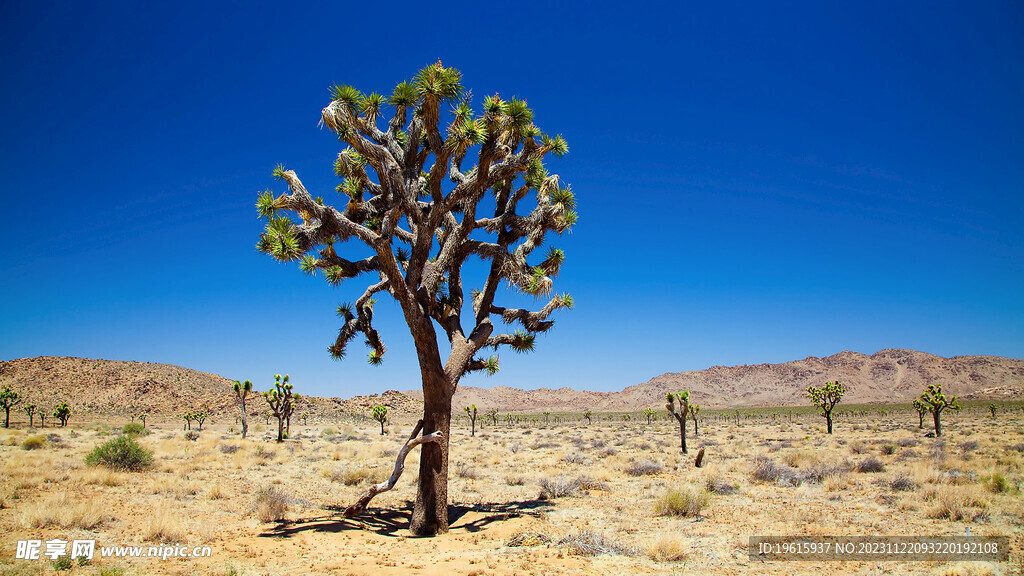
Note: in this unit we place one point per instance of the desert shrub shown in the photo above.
(609, 451)
(667, 548)
(191, 435)
(528, 538)
(996, 483)
(593, 544)
(908, 454)
(858, 447)
(969, 446)
(643, 468)
(121, 453)
(463, 470)
(575, 458)
(870, 464)
(681, 502)
(229, 448)
(559, 487)
(902, 483)
(353, 475)
(34, 442)
(819, 471)
(1018, 447)
(887, 449)
(134, 429)
(719, 486)
(271, 504)
(907, 442)
(956, 504)
(515, 480)
(263, 453)
(767, 470)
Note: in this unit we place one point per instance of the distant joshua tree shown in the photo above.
(921, 411)
(30, 411)
(587, 415)
(826, 397)
(683, 398)
(142, 416)
(694, 410)
(935, 401)
(8, 399)
(649, 413)
(471, 412)
(62, 412)
(242, 390)
(380, 414)
(493, 415)
(199, 417)
(280, 399)
(992, 408)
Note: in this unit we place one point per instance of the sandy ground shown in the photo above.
(616, 476)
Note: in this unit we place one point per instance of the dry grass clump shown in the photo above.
(271, 504)
(681, 502)
(575, 458)
(902, 483)
(564, 486)
(589, 543)
(61, 512)
(643, 468)
(667, 548)
(463, 470)
(165, 526)
(354, 475)
(229, 448)
(955, 503)
(870, 465)
(528, 538)
(819, 472)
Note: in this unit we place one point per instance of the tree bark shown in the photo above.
(245, 423)
(430, 514)
(828, 422)
(938, 424)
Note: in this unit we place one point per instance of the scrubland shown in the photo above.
(609, 497)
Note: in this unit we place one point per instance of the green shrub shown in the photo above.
(121, 453)
(134, 429)
(34, 442)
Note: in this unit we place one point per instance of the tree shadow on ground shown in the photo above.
(395, 522)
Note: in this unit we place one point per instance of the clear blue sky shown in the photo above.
(758, 182)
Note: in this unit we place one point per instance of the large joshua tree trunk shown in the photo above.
(430, 515)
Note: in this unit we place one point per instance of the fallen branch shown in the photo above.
(360, 506)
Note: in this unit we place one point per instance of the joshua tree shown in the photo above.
(921, 411)
(992, 408)
(142, 417)
(547, 418)
(62, 412)
(694, 410)
(242, 390)
(380, 414)
(8, 399)
(30, 410)
(280, 401)
(680, 415)
(188, 416)
(493, 415)
(471, 412)
(199, 417)
(826, 397)
(935, 401)
(420, 230)
(649, 413)
(587, 415)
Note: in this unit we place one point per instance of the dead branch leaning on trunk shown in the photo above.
(360, 506)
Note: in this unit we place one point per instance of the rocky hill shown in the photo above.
(116, 387)
(886, 376)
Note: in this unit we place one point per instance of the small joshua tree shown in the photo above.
(62, 412)
(142, 416)
(588, 415)
(471, 412)
(30, 410)
(826, 397)
(380, 414)
(992, 408)
(649, 413)
(935, 401)
(242, 390)
(188, 420)
(694, 410)
(921, 411)
(280, 400)
(8, 399)
(199, 417)
(493, 415)
(680, 415)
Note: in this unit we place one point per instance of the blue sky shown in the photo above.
(757, 182)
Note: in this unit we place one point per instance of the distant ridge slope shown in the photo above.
(892, 375)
